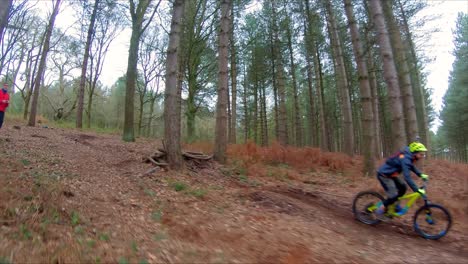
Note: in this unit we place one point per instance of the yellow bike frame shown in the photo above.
(411, 197)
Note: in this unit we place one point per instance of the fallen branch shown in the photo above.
(162, 164)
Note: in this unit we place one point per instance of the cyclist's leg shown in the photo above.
(390, 189)
(401, 186)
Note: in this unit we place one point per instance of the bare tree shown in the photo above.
(109, 24)
(137, 13)
(89, 39)
(42, 63)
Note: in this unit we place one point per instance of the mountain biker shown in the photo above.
(400, 163)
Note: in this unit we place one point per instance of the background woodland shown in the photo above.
(339, 75)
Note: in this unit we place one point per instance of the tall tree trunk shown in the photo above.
(84, 67)
(375, 105)
(172, 100)
(282, 115)
(315, 53)
(274, 84)
(221, 106)
(265, 118)
(129, 128)
(140, 111)
(232, 132)
(137, 14)
(5, 6)
(342, 80)
(325, 143)
(297, 115)
(42, 64)
(366, 96)
(255, 109)
(260, 114)
(390, 76)
(246, 111)
(88, 111)
(418, 90)
(404, 78)
(312, 135)
(150, 119)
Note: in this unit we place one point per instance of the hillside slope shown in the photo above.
(70, 196)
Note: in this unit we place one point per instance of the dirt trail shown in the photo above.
(101, 210)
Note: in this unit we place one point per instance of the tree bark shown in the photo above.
(42, 64)
(264, 122)
(365, 90)
(401, 63)
(137, 15)
(312, 135)
(172, 100)
(221, 106)
(232, 131)
(390, 76)
(418, 90)
(375, 105)
(246, 111)
(137, 20)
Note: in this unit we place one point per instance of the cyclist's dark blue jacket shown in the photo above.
(401, 162)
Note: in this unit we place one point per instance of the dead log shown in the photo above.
(197, 157)
(195, 160)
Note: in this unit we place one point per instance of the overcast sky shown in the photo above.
(440, 46)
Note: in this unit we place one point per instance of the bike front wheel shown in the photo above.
(432, 221)
(364, 205)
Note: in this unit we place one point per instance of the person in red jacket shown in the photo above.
(4, 101)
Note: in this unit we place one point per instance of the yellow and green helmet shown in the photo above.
(417, 147)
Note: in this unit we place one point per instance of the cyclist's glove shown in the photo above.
(424, 177)
(422, 192)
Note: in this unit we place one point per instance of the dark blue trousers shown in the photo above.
(2, 115)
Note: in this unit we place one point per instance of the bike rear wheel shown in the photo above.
(364, 205)
(432, 221)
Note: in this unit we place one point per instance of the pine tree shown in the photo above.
(454, 115)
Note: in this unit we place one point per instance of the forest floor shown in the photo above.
(71, 196)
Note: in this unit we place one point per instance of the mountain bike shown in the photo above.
(431, 221)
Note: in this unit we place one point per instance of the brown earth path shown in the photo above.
(98, 208)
